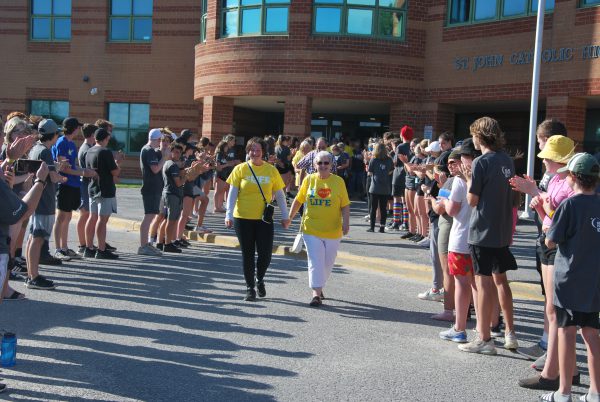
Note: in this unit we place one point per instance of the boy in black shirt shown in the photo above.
(490, 232)
(102, 190)
(174, 179)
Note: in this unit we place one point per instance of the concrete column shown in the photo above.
(298, 114)
(217, 117)
(571, 112)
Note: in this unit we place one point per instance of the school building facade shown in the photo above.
(352, 68)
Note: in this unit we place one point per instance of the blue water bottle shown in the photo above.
(9, 350)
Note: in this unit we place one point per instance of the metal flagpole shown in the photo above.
(535, 88)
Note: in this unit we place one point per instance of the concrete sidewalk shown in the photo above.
(383, 252)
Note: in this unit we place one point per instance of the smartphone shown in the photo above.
(25, 166)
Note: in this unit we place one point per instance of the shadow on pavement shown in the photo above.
(150, 351)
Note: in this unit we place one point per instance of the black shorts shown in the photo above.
(398, 190)
(68, 199)
(492, 260)
(576, 318)
(151, 203)
(545, 254)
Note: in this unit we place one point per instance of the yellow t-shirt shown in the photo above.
(297, 157)
(250, 203)
(324, 202)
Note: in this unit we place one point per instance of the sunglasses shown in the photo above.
(322, 163)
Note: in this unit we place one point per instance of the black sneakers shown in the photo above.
(171, 248)
(106, 255)
(109, 247)
(250, 294)
(89, 253)
(39, 282)
(407, 235)
(50, 260)
(260, 285)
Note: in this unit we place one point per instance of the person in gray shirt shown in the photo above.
(152, 158)
(576, 230)
(380, 169)
(42, 221)
(490, 232)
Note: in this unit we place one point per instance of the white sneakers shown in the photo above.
(148, 249)
(479, 346)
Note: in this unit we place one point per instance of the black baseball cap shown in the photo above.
(71, 123)
(468, 148)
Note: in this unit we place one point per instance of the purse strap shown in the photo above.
(258, 183)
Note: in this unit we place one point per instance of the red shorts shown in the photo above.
(460, 264)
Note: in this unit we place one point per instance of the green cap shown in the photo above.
(582, 163)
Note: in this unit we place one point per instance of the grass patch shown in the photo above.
(128, 185)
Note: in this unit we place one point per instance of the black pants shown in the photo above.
(378, 200)
(255, 237)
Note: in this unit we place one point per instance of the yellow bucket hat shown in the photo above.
(558, 149)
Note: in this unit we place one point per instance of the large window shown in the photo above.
(50, 20)
(376, 18)
(585, 3)
(130, 20)
(50, 109)
(255, 17)
(131, 123)
(470, 11)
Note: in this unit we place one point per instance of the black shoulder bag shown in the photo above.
(267, 216)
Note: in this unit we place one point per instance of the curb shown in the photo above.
(403, 269)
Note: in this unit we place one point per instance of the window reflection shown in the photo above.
(251, 21)
(254, 17)
(276, 19)
(328, 20)
(360, 21)
(131, 20)
(485, 9)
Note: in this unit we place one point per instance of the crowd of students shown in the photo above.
(458, 199)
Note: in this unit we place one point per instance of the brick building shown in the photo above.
(326, 67)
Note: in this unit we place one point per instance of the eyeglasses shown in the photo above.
(322, 163)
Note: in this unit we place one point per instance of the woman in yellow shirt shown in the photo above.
(326, 218)
(245, 206)
(305, 148)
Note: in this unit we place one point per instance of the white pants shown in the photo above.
(321, 257)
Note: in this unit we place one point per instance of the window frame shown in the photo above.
(581, 4)
(131, 17)
(127, 149)
(263, 6)
(499, 17)
(52, 17)
(376, 10)
(50, 114)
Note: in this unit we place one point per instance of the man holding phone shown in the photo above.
(42, 221)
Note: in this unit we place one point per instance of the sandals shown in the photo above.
(15, 296)
(316, 302)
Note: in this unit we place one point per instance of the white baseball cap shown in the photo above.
(154, 134)
(434, 147)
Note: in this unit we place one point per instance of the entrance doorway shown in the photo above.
(351, 127)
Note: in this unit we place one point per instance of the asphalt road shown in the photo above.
(358, 242)
(176, 329)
